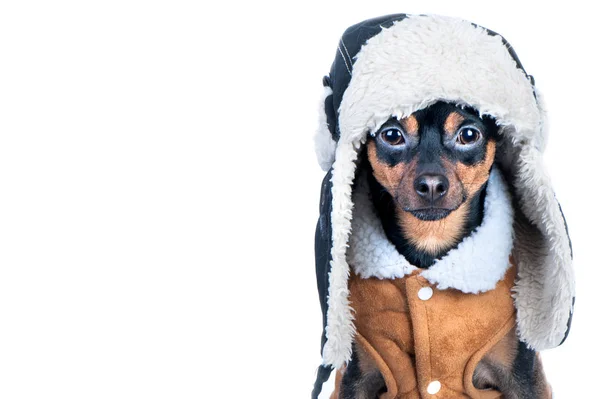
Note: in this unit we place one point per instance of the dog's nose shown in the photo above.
(431, 187)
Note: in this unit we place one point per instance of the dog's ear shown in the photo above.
(327, 132)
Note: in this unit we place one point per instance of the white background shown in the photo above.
(159, 191)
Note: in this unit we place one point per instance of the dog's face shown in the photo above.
(433, 163)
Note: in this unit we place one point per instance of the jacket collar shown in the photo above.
(476, 265)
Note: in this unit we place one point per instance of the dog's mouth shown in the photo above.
(430, 214)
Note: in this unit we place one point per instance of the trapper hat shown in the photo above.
(396, 65)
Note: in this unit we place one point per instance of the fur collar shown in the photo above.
(476, 265)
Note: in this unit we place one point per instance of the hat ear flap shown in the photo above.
(325, 138)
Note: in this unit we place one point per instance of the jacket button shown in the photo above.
(434, 387)
(425, 293)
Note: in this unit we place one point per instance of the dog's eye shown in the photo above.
(468, 135)
(392, 136)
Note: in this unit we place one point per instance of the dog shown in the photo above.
(427, 175)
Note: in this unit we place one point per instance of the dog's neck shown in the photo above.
(387, 212)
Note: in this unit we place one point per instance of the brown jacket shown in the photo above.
(427, 342)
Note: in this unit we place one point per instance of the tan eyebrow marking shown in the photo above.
(452, 123)
(410, 125)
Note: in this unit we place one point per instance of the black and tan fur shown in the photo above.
(424, 223)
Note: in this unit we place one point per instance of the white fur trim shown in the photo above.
(424, 59)
(546, 280)
(324, 143)
(370, 253)
(340, 328)
(412, 64)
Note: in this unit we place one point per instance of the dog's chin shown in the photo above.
(430, 214)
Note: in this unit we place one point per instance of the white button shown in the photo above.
(425, 293)
(434, 387)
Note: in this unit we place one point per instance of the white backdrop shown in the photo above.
(159, 191)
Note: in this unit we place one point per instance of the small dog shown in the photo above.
(427, 174)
